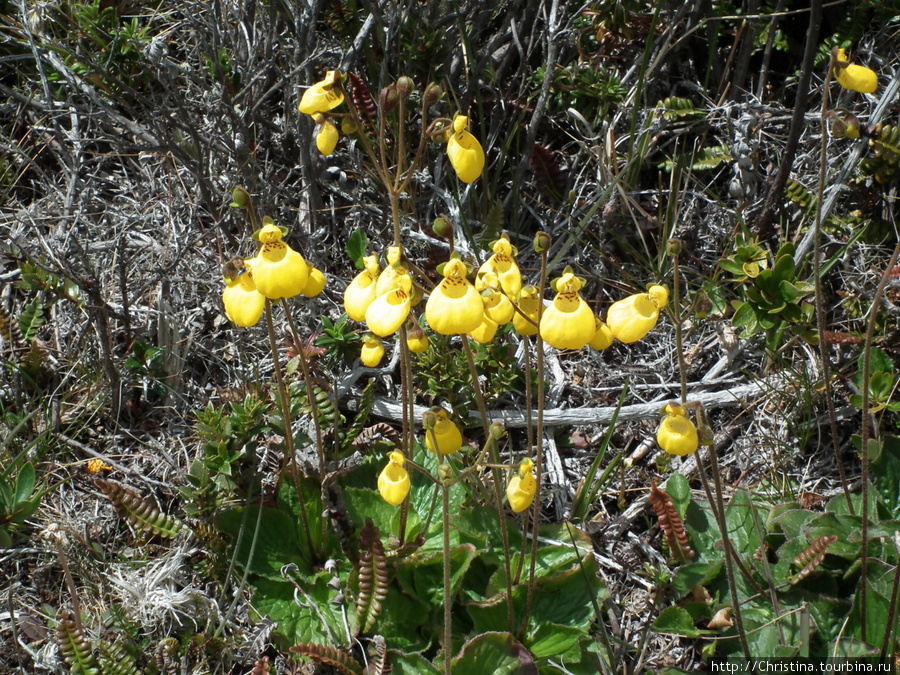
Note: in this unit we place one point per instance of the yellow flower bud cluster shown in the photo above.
(276, 271)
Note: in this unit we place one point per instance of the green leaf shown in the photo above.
(695, 574)
(676, 621)
(495, 653)
(679, 490)
(24, 483)
(296, 623)
(276, 541)
(553, 640)
(886, 475)
(356, 247)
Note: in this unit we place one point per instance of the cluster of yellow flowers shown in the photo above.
(276, 271)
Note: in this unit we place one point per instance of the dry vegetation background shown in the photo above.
(125, 126)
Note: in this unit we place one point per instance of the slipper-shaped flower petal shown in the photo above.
(454, 307)
(633, 317)
(445, 434)
(465, 152)
(528, 305)
(503, 264)
(568, 323)
(360, 293)
(243, 303)
(323, 96)
(389, 310)
(854, 77)
(278, 270)
(522, 486)
(327, 138)
(603, 337)
(315, 283)
(393, 482)
(486, 330)
(372, 350)
(677, 435)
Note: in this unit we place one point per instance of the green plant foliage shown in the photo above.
(357, 246)
(883, 382)
(339, 339)
(674, 108)
(139, 512)
(147, 364)
(704, 160)
(18, 499)
(885, 153)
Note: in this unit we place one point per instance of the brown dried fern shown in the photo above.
(372, 577)
(378, 658)
(166, 656)
(670, 523)
(329, 656)
(261, 667)
(365, 104)
(549, 176)
(74, 647)
(377, 433)
(811, 557)
(140, 513)
(9, 330)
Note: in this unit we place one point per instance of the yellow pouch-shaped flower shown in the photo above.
(417, 340)
(360, 293)
(632, 318)
(464, 151)
(454, 307)
(445, 433)
(243, 303)
(387, 280)
(323, 96)
(393, 482)
(568, 323)
(372, 350)
(327, 138)
(315, 283)
(498, 307)
(853, 77)
(528, 305)
(388, 311)
(278, 270)
(485, 332)
(677, 435)
(522, 486)
(503, 264)
(603, 337)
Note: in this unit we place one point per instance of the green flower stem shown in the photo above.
(408, 429)
(448, 601)
(498, 490)
(676, 312)
(820, 302)
(290, 459)
(539, 442)
(529, 430)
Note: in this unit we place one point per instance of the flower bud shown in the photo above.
(443, 228)
(388, 98)
(497, 430)
(348, 126)
(429, 419)
(445, 473)
(542, 242)
(432, 94)
(405, 86)
(240, 198)
(673, 247)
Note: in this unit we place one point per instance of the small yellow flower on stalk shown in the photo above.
(568, 323)
(496, 303)
(315, 283)
(372, 350)
(503, 264)
(360, 293)
(522, 487)
(393, 482)
(633, 317)
(603, 337)
(454, 306)
(416, 339)
(323, 96)
(387, 279)
(327, 138)
(464, 151)
(389, 310)
(486, 330)
(677, 435)
(528, 305)
(278, 270)
(243, 303)
(853, 77)
(442, 431)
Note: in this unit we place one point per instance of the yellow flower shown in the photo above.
(465, 151)
(503, 264)
(315, 283)
(632, 318)
(568, 323)
(528, 305)
(327, 138)
(393, 482)
(417, 340)
(522, 487)
(389, 310)
(454, 307)
(677, 435)
(486, 330)
(387, 280)
(243, 303)
(361, 291)
(372, 350)
(603, 336)
(322, 96)
(445, 433)
(278, 270)
(498, 308)
(853, 77)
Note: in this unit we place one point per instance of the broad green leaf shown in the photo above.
(495, 653)
(886, 475)
(676, 621)
(695, 574)
(356, 247)
(24, 483)
(553, 640)
(679, 490)
(276, 544)
(280, 601)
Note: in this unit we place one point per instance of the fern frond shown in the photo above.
(166, 661)
(378, 658)
(705, 159)
(811, 557)
(372, 577)
(362, 415)
(670, 523)
(675, 108)
(31, 319)
(549, 175)
(140, 513)
(10, 331)
(74, 647)
(115, 660)
(377, 433)
(329, 656)
(261, 667)
(365, 104)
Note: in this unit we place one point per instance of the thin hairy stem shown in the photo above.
(448, 600)
(676, 310)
